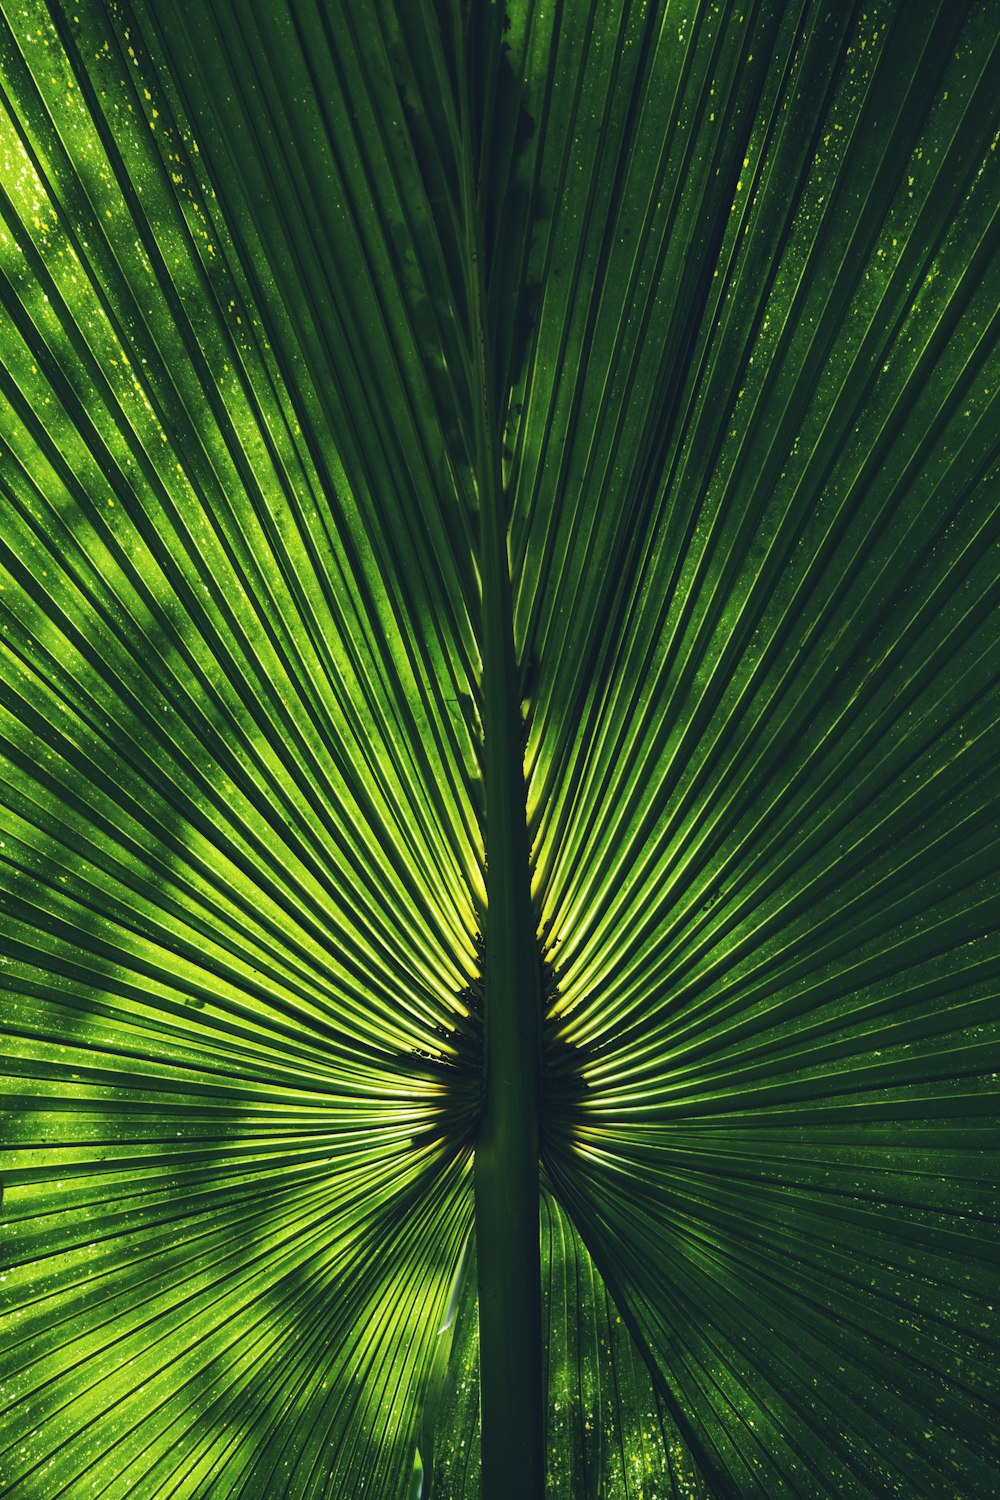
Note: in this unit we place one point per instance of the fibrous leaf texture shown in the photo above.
(662, 335)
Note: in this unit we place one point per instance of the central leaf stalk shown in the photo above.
(506, 1168)
(506, 1163)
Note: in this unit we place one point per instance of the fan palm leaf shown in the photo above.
(499, 676)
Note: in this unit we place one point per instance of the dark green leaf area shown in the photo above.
(806, 1274)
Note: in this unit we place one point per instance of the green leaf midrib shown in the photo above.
(507, 1157)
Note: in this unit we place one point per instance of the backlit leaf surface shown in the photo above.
(741, 264)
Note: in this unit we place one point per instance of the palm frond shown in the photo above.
(691, 309)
